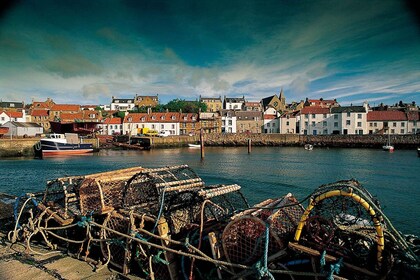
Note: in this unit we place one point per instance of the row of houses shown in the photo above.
(230, 115)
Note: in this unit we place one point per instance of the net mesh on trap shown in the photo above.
(102, 192)
(341, 225)
(244, 238)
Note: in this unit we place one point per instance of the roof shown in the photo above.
(204, 99)
(39, 113)
(7, 104)
(348, 109)
(168, 117)
(322, 103)
(253, 103)
(113, 121)
(244, 115)
(13, 114)
(190, 117)
(269, 117)
(235, 99)
(4, 130)
(65, 107)
(267, 100)
(386, 116)
(314, 110)
(413, 115)
(290, 114)
(25, 124)
(122, 100)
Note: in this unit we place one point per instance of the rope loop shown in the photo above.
(157, 259)
(84, 221)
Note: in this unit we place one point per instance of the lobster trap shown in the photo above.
(244, 239)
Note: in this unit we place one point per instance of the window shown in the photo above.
(335, 116)
(173, 126)
(392, 131)
(402, 124)
(153, 126)
(347, 122)
(325, 116)
(359, 116)
(153, 117)
(335, 124)
(162, 126)
(394, 124)
(307, 116)
(268, 124)
(306, 124)
(287, 123)
(359, 124)
(313, 115)
(375, 124)
(348, 114)
(230, 122)
(162, 117)
(313, 123)
(324, 123)
(402, 131)
(274, 125)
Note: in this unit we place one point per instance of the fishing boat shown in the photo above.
(62, 144)
(194, 145)
(309, 147)
(388, 146)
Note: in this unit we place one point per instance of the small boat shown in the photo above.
(309, 147)
(194, 145)
(418, 151)
(135, 143)
(62, 144)
(388, 146)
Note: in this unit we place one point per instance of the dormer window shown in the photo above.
(130, 119)
(173, 117)
(193, 118)
(142, 119)
(185, 118)
(162, 118)
(153, 117)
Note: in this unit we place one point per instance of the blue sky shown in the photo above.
(85, 52)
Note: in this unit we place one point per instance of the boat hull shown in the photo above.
(52, 148)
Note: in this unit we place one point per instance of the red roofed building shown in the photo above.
(271, 124)
(321, 103)
(381, 121)
(134, 122)
(111, 126)
(57, 109)
(11, 116)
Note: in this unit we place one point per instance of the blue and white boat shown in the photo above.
(62, 144)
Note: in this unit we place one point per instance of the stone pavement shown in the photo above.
(15, 264)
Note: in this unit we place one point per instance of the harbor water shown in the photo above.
(266, 172)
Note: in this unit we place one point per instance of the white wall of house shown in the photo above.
(28, 130)
(4, 118)
(134, 128)
(122, 106)
(233, 106)
(314, 124)
(288, 125)
(229, 123)
(110, 129)
(413, 127)
(271, 126)
(271, 111)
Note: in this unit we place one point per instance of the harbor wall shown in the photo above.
(359, 141)
(24, 146)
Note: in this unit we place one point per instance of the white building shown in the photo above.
(393, 122)
(271, 124)
(121, 104)
(228, 121)
(288, 123)
(12, 116)
(314, 121)
(23, 129)
(350, 119)
(111, 126)
(233, 103)
(160, 122)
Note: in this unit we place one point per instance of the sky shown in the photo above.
(85, 52)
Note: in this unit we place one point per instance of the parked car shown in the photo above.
(164, 134)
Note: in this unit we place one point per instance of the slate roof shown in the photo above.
(267, 100)
(4, 104)
(348, 109)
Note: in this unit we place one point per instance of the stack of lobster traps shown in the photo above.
(166, 223)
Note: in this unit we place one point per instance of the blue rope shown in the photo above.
(84, 221)
(296, 262)
(160, 211)
(334, 268)
(262, 265)
(157, 259)
(322, 261)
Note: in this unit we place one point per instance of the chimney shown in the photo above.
(149, 110)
